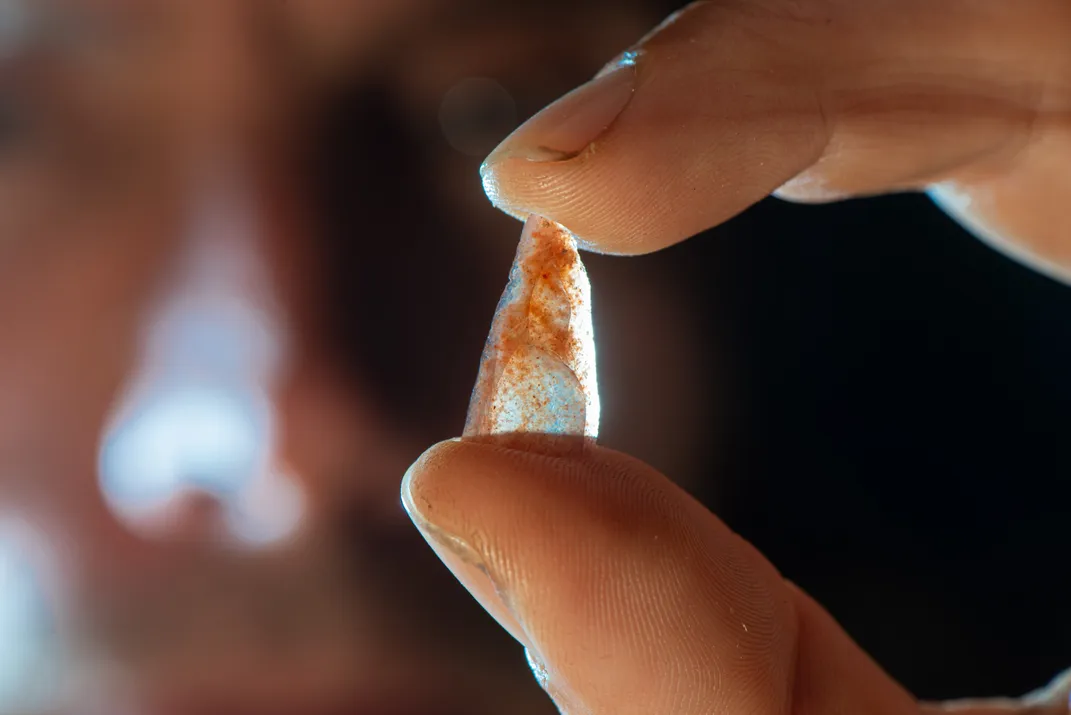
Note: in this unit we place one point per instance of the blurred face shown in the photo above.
(246, 270)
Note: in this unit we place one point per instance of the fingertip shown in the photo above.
(596, 552)
(578, 194)
(413, 488)
(428, 499)
(491, 180)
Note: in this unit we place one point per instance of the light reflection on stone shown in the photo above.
(537, 375)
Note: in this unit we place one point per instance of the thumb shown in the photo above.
(628, 595)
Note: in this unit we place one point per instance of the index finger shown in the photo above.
(731, 100)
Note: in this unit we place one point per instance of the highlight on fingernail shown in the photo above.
(628, 58)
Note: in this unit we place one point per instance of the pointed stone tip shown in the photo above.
(550, 230)
(538, 370)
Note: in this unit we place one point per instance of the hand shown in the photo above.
(629, 596)
(815, 100)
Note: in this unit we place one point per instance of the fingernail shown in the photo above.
(468, 565)
(570, 125)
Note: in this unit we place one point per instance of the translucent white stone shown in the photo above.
(537, 375)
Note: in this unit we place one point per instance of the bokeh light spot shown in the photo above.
(27, 677)
(476, 114)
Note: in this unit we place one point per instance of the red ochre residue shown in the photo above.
(541, 318)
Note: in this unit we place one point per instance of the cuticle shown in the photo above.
(627, 61)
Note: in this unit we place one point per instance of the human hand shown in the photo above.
(816, 100)
(629, 596)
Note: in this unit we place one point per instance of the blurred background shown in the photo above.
(246, 272)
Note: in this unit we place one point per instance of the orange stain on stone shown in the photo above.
(537, 375)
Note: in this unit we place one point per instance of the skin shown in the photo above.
(696, 620)
(130, 122)
(630, 596)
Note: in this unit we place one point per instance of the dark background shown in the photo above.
(896, 437)
(890, 400)
(899, 443)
